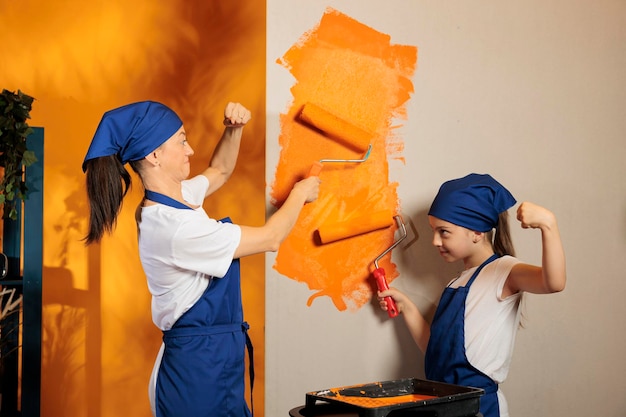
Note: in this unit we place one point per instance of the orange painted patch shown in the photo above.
(355, 73)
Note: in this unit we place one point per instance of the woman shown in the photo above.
(191, 260)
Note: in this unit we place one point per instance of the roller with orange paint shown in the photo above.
(339, 130)
(334, 231)
(379, 273)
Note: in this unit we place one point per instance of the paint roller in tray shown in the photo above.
(379, 273)
(338, 129)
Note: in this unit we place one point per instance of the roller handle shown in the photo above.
(315, 170)
(381, 283)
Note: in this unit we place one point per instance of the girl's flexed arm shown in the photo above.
(550, 277)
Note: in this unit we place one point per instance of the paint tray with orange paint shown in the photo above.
(403, 397)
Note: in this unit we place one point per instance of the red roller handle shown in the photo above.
(381, 282)
(315, 170)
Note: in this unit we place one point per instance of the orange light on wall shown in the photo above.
(80, 59)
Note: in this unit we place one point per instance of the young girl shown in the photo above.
(191, 260)
(470, 340)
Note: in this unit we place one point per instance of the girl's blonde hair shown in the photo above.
(501, 240)
(503, 245)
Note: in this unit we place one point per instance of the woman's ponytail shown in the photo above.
(107, 184)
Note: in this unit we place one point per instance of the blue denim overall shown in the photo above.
(202, 372)
(445, 355)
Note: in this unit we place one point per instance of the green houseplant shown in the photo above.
(14, 155)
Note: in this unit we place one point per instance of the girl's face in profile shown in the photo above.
(453, 242)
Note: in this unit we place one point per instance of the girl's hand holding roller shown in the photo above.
(415, 322)
(396, 295)
(402, 301)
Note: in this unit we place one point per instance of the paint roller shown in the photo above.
(379, 273)
(338, 129)
(334, 231)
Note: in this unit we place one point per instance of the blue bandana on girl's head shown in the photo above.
(473, 202)
(133, 131)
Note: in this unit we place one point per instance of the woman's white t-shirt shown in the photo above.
(181, 251)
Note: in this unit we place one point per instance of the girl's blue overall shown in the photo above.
(203, 366)
(445, 355)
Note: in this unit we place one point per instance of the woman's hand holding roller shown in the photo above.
(268, 238)
(310, 187)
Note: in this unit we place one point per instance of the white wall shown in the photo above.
(532, 92)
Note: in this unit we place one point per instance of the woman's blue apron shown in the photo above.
(445, 359)
(202, 372)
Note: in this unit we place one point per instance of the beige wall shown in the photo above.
(532, 92)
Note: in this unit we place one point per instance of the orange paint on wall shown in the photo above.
(354, 72)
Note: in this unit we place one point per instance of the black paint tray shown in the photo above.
(402, 397)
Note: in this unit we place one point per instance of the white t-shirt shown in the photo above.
(491, 322)
(182, 251)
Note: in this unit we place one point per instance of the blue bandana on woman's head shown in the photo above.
(473, 202)
(133, 131)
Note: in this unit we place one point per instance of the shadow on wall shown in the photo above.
(71, 334)
(67, 339)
